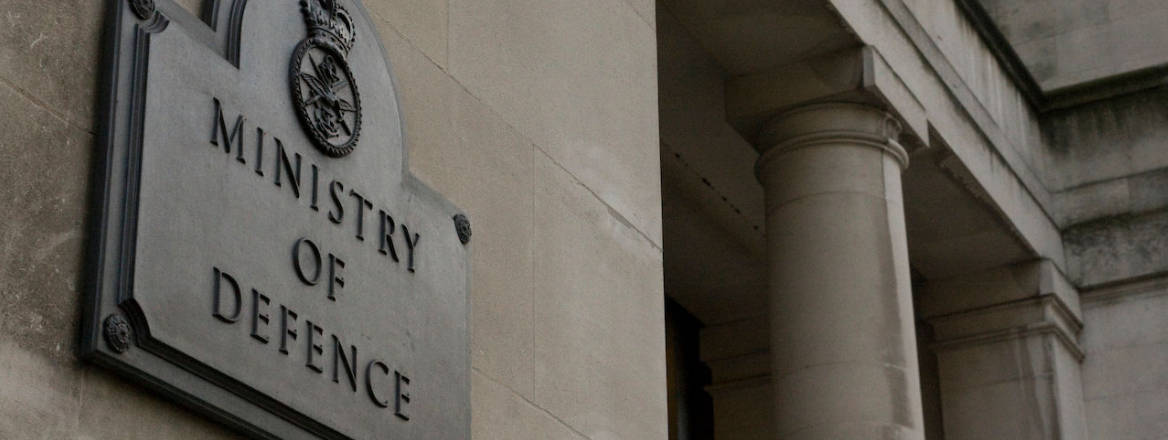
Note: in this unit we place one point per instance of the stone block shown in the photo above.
(997, 286)
(1093, 201)
(44, 187)
(1082, 54)
(1139, 416)
(1040, 61)
(46, 398)
(421, 22)
(647, 9)
(1135, 319)
(599, 314)
(744, 411)
(997, 411)
(1110, 139)
(501, 414)
(1120, 9)
(814, 399)
(1125, 374)
(49, 52)
(113, 408)
(745, 367)
(993, 362)
(853, 170)
(481, 164)
(812, 232)
(736, 338)
(579, 81)
(1149, 191)
(39, 399)
(1118, 248)
(693, 117)
(1138, 40)
(1029, 385)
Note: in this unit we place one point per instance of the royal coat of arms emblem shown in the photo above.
(323, 89)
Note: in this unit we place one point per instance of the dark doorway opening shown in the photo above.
(691, 411)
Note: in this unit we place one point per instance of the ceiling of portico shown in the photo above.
(748, 36)
(714, 275)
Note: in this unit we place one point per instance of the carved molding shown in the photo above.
(116, 331)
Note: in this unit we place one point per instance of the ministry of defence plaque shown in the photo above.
(260, 251)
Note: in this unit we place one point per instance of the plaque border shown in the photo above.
(112, 227)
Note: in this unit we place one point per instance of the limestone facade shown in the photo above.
(901, 219)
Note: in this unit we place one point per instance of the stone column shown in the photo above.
(844, 361)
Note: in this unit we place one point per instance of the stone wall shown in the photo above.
(539, 118)
(49, 54)
(1069, 42)
(1125, 373)
(1108, 156)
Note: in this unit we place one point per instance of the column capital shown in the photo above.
(830, 123)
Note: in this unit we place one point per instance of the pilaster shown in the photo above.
(1008, 354)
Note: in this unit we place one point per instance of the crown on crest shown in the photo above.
(330, 23)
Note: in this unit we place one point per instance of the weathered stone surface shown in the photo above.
(470, 154)
(49, 51)
(1006, 347)
(994, 287)
(46, 163)
(1085, 40)
(501, 414)
(577, 79)
(599, 314)
(837, 253)
(744, 411)
(986, 122)
(422, 22)
(1028, 385)
(1118, 248)
(114, 408)
(646, 9)
(693, 119)
(37, 396)
(1125, 374)
(46, 398)
(1107, 140)
(46, 94)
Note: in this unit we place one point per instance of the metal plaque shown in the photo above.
(259, 250)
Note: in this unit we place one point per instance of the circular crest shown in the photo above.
(462, 228)
(117, 333)
(325, 96)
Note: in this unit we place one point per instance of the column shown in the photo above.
(843, 347)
